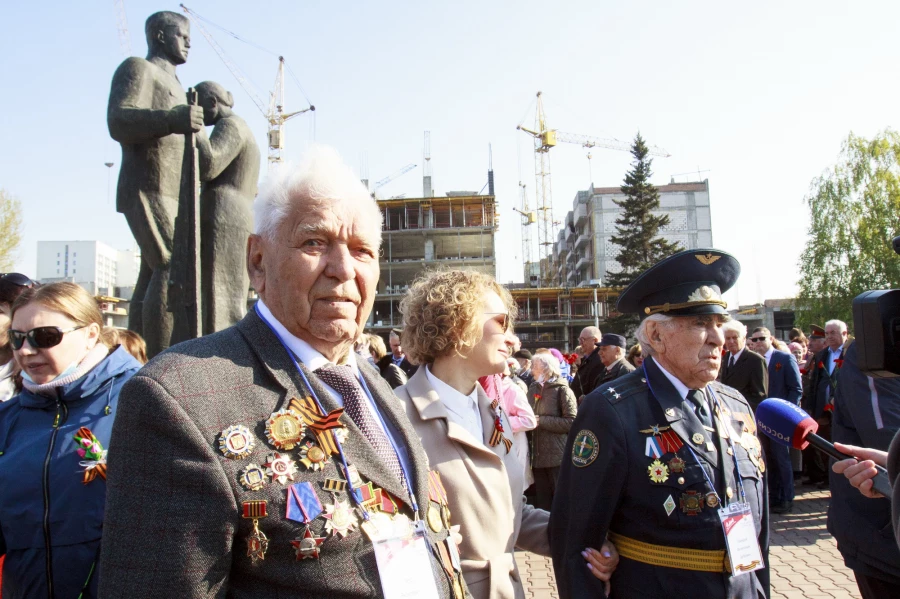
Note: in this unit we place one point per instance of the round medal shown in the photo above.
(697, 438)
(434, 518)
(312, 456)
(284, 429)
(253, 477)
(712, 500)
(676, 465)
(445, 515)
(236, 442)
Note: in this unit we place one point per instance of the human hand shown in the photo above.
(185, 119)
(457, 537)
(602, 563)
(860, 472)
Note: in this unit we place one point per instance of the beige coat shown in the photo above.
(484, 485)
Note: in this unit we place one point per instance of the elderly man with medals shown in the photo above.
(265, 460)
(665, 462)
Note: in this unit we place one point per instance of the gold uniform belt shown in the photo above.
(701, 560)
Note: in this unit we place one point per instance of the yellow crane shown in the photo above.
(544, 139)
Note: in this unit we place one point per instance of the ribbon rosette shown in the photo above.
(94, 455)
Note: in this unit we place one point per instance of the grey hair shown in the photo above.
(549, 362)
(593, 331)
(839, 323)
(642, 334)
(737, 326)
(320, 176)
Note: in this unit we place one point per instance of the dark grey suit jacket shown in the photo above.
(173, 524)
(749, 376)
(619, 368)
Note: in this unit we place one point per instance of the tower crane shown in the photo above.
(122, 27)
(396, 174)
(546, 138)
(273, 112)
(528, 218)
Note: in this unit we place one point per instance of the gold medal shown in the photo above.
(691, 502)
(434, 518)
(257, 542)
(236, 442)
(445, 515)
(697, 438)
(253, 477)
(659, 472)
(284, 429)
(340, 518)
(676, 465)
(312, 456)
(712, 500)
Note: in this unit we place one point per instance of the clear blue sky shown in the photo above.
(761, 95)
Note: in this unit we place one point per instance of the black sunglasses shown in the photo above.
(758, 339)
(40, 337)
(506, 319)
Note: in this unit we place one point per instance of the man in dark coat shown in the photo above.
(397, 357)
(590, 369)
(742, 369)
(523, 357)
(820, 394)
(612, 355)
(650, 463)
(867, 414)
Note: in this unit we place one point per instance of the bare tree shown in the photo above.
(10, 229)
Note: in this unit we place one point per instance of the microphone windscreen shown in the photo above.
(785, 422)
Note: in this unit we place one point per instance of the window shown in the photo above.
(74, 271)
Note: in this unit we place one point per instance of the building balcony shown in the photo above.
(582, 240)
(562, 247)
(581, 214)
(582, 262)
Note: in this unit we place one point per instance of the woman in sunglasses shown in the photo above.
(457, 324)
(53, 441)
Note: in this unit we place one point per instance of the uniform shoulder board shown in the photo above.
(729, 392)
(625, 386)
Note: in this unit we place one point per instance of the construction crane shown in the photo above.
(528, 219)
(273, 112)
(393, 176)
(122, 27)
(546, 138)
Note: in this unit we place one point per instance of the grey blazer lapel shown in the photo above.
(271, 354)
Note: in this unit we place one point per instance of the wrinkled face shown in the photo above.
(816, 344)
(176, 41)
(588, 342)
(734, 341)
(319, 273)
(537, 370)
(44, 365)
(690, 347)
(395, 346)
(489, 355)
(834, 337)
(760, 342)
(608, 354)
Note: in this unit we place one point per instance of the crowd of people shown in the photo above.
(294, 454)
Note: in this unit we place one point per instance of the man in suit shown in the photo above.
(650, 463)
(784, 383)
(590, 369)
(523, 357)
(263, 460)
(612, 355)
(397, 357)
(743, 370)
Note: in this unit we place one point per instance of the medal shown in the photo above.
(445, 515)
(257, 542)
(307, 546)
(236, 442)
(691, 502)
(434, 518)
(340, 518)
(284, 429)
(659, 472)
(712, 500)
(312, 456)
(253, 477)
(654, 429)
(669, 505)
(303, 503)
(334, 484)
(697, 438)
(676, 465)
(281, 468)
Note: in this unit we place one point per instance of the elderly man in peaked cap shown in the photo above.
(658, 462)
(612, 355)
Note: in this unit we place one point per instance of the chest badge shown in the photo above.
(236, 442)
(659, 472)
(676, 465)
(307, 546)
(312, 456)
(585, 449)
(284, 429)
(340, 518)
(691, 502)
(253, 478)
(281, 468)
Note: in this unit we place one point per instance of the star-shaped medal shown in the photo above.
(307, 546)
(312, 456)
(280, 467)
(659, 472)
(341, 519)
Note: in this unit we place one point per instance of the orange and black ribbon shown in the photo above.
(321, 424)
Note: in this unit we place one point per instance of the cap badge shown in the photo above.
(706, 259)
(703, 294)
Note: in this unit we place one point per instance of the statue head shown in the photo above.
(216, 101)
(168, 36)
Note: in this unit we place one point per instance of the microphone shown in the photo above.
(786, 423)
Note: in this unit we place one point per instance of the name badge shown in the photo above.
(740, 538)
(404, 565)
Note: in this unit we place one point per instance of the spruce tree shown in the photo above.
(637, 229)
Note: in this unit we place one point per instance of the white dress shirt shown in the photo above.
(768, 355)
(462, 409)
(734, 358)
(313, 360)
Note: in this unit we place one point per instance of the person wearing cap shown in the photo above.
(524, 357)
(816, 338)
(612, 355)
(12, 285)
(650, 463)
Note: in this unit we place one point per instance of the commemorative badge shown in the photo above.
(281, 467)
(284, 429)
(312, 456)
(669, 505)
(433, 516)
(257, 542)
(712, 500)
(340, 518)
(327, 428)
(698, 439)
(585, 449)
(253, 478)
(654, 429)
(691, 502)
(307, 546)
(303, 503)
(676, 465)
(236, 442)
(93, 454)
(659, 472)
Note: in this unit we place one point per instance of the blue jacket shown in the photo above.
(50, 521)
(784, 377)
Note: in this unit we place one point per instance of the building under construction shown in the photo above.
(555, 316)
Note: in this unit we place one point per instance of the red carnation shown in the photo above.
(821, 365)
(829, 407)
(839, 362)
(803, 371)
(777, 366)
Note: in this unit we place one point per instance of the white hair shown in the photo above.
(549, 362)
(641, 332)
(737, 326)
(320, 176)
(593, 332)
(840, 324)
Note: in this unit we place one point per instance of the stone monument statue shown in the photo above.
(229, 172)
(148, 115)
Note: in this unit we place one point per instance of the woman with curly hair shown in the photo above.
(458, 325)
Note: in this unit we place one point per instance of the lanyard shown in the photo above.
(354, 493)
(737, 470)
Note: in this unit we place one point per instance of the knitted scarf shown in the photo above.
(93, 357)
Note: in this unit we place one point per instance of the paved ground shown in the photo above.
(804, 557)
